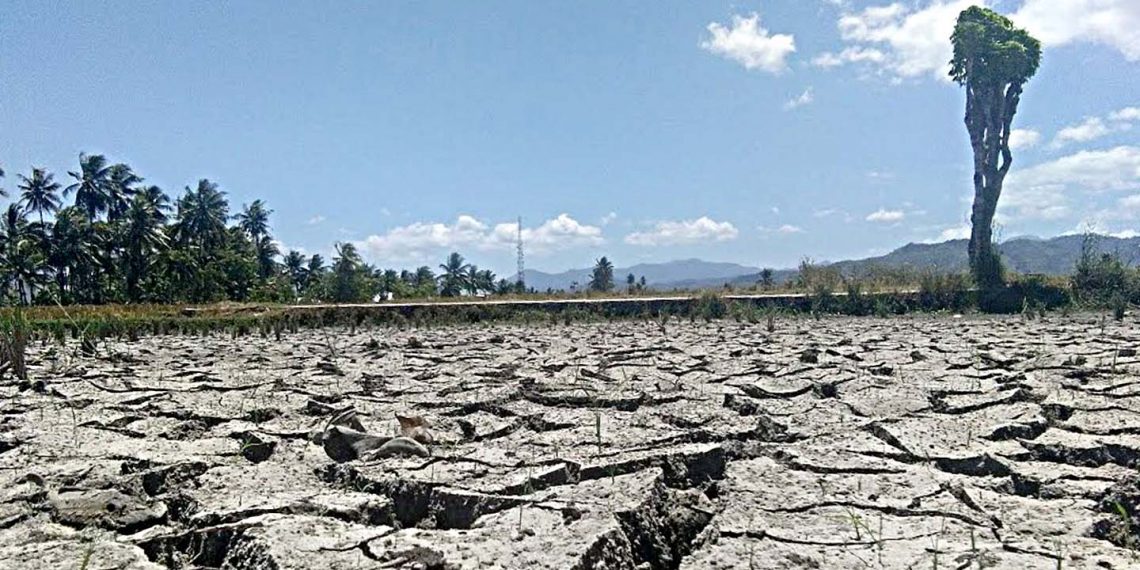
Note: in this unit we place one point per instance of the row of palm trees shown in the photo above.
(122, 240)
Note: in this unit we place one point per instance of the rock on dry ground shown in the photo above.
(914, 442)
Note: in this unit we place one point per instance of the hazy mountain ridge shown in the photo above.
(1029, 254)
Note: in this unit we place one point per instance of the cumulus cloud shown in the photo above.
(1090, 129)
(786, 229)
(315, 220)
(905, 41)
(1127, 114)
(802, 99)
(683, 232)
(885, 216)
(750, 44)
(959, 231)
(424, 239)
(897, 40)
(1023, 138)
(562, 232)
(1114, 23)
(1042, 191)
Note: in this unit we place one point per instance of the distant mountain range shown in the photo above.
(1055, 256)
(657, 275)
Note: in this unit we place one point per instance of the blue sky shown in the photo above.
(755, 132)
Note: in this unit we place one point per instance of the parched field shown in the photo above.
(912, 442)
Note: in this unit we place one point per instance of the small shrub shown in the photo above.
(711, 306)
(1099, 278)
(13, 343)
(943, 291)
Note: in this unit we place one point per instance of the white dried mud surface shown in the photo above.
(918, 442)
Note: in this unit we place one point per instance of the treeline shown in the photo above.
(121, 240)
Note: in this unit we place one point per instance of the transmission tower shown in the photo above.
(520, 283)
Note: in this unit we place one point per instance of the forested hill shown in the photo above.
(1055, 256)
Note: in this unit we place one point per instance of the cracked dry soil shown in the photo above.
(914, 442)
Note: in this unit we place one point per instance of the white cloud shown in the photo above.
(699, 230)
(1115, 23)
(897, 40)
(802, 99)
(886, 216)
(1126, 114)
(424, 239)
(562, 232)
(910, 40)
(786, 229)
(315, 220)
(750, 45)
(1090, 129)
(1124, 234)
(849, 55)
(1023, 138)
(1040, 191)
(953, 232)
(609, 218)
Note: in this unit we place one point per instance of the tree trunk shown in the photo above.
(989, 115)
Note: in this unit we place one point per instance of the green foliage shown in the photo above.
(711, 306)
(987, 269)
(14, 332)
(818, 278)
(1101, 278)
(988, 49)
(944, 291)
(602, 276)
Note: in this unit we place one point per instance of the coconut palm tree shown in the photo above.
(347, 275)
(159, 201)
(266, 252)
(121, 181)
(90, 187)
(70, 248)
(143, 235)
(40, 193)
(295, 269)
(254, 219)
(21, 260)
(453, 280)
(602, 278)
(201, 217)
(471, 279)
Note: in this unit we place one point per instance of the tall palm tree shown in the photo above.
(143, 236)
(485, 279)
(70, 249)
(159, 201)
(90, 187)
(346, 270)
(295, 269)
(201, 217)
(40, 193)
(453, 280)
(21, 260)
(254, 219)
(266, 252)
(424, 280)
(602, 277)
(3, 193)
(121, 181)
(471, 279)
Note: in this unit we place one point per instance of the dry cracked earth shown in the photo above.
(917, 442)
